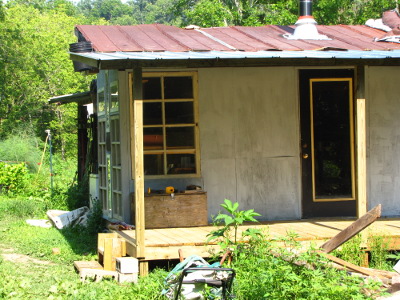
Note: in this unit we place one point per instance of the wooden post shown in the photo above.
(361, 144)
(138, 168)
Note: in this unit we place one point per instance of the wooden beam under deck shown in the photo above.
(164, 243)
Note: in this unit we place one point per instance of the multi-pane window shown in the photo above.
(109, 152)
(102, 158)
(116, 167)
(170, 137)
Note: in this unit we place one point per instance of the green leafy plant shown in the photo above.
(227, 235)
(96, 222)
(12, 177)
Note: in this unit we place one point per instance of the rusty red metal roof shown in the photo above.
(161, 38)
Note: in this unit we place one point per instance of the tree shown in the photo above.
(277, 12)
(36, 67)
(113, 11)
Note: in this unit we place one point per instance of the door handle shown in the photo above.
(305, 155)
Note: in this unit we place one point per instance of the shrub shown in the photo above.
(95, 222)
(12, 177)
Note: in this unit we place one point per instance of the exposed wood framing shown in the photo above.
(138, 169)
(361, 144)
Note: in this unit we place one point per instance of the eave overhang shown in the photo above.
(128, 60)
(80, 98)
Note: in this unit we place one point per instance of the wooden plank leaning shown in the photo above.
(352, 229)
(353, 267)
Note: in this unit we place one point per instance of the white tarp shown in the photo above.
(62, 218)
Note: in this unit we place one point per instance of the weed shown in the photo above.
(95, 222)
(227, 235)
(266, 271)
(379, 246)
(350, 251)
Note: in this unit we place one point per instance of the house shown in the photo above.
(295, 122)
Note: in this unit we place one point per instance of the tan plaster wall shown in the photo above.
(383, 135)
(249, 135)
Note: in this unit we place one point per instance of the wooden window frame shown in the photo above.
(164, 152)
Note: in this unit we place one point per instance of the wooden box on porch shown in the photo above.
(179, 210)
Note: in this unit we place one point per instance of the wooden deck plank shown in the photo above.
(164, 243)
(193, 236)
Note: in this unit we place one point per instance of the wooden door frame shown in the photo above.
(360, 135)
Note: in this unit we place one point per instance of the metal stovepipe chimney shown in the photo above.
(306, 28)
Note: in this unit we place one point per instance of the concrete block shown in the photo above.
(128, 278)
(127, 265)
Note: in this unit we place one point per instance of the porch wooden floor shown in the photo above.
(165, 243)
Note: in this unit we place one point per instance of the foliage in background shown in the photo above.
(277, 12)
(23, 149)
(21, 146)
(35, 67)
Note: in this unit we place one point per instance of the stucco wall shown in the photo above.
(249, 138)
(383, 104)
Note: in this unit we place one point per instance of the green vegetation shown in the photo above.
(265, 269)
(35, 66)
(227, 235)
(378, 254)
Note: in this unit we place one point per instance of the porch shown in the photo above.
(164, 243)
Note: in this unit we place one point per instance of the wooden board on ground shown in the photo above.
(351, 266)
(79, 265)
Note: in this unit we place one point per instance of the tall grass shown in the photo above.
(21, 147)
(58, 190)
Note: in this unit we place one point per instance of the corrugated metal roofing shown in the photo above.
(160, 38)
(168, 55)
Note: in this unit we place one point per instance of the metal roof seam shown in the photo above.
(339, 38)
(130, 38)
(171, 37)
(112, 42)
(239, 28)
(216, 39)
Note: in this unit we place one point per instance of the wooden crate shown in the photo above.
(181, 210)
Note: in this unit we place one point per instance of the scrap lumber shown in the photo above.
(92, 264)
(348, 265)
(352, 229)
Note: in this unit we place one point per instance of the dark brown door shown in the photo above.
(327, 143)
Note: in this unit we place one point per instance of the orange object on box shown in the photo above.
(169, 190)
